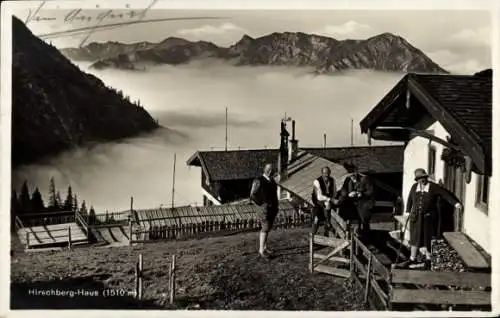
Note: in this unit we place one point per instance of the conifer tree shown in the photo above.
(75, 204)
(24, 199)
(14, 209)
(37, 201)
(68, 203)
(59, 203)
(52, 206)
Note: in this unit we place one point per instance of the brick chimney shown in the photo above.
(283, 152)
(293, 149)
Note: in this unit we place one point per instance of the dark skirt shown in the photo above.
(422, 230)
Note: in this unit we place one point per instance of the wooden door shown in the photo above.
(454, 181)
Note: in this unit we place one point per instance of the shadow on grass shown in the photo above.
(77, 293)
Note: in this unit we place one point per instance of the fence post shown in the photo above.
(27, 240)
(69, 237)
(351, 256)
(138, 278)
(367, 283)
(311, 252)
(172, 280)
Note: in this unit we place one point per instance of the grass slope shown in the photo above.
(214, 273)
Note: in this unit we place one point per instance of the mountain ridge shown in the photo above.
(384, 52)
(56, 106)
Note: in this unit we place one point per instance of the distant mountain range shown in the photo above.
(56, 106)
(384, 52)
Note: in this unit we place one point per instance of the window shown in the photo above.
(482, 194)
(432, 162)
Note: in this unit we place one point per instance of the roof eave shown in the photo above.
(469, 141)
(383, 106)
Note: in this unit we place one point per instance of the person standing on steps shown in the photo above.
(264, 193)
(324, 191)
(358, 193)
(422, 207)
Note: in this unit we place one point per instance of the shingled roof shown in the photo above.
(233, 164)
(462, 104)
(248, 164)
(379, 159)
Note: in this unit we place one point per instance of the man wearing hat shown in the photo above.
(357, 193)
(422, 207)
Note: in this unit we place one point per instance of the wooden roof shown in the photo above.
(304, 170)
(233, 164)
(248, 164)
(372, 159)
(461, 103)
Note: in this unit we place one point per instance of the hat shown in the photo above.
(420, 174)
(350, 167)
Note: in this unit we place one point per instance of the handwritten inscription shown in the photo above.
(95, 20)
(78, 15)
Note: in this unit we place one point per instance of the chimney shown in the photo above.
(293, 149)
(283, 151)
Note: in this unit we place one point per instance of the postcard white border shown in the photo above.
(5, 123)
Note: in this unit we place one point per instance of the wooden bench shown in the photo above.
(470, 254)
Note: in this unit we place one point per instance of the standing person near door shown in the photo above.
(264, 193)
(422, 207)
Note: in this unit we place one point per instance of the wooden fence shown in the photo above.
(46, 218)
(333, 262)
(400, 289)
(139, 279)
(140, 233)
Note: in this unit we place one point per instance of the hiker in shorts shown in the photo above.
(264, 193)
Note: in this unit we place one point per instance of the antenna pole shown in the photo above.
(226, 129)
(352, 132)
(173, 182)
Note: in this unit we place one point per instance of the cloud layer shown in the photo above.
(348, 30)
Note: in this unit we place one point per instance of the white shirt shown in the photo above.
(319, 193)
(421, 188)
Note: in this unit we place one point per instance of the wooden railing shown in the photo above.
(137, 232)
(401, 289)
(115, 218)
(47, 218)
(18, 223)
(80, 220)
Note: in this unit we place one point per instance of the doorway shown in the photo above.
(454, 181)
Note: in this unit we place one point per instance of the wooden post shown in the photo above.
(69, 237)
(311, 252)
(351, 256)
(138, 278)
(172, 280)
(129, 230)
(368, 278)
(27, 240)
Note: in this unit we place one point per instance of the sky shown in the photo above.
(459, 41)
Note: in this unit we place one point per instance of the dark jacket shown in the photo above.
(366, 202)
(264, 192)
